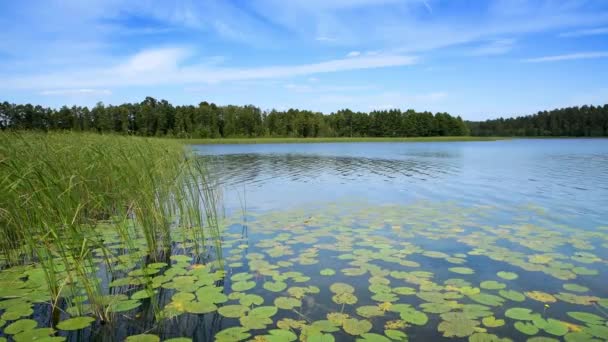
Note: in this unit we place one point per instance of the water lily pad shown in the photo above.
(369, 311)
(507, 275)
(241, 286)
(522, 314)
(243, 276)
(575, 288)
(327, 272)
(263, 311)
(356, 327)
(75, 323)
(19, 326)
(395, 335)
(341, 288)
(526, 328)
(555, 327)
(344, 298)
(371, 337)
(143, 338)
(487, 299)
(124, 305)
(586, 317)
(232, 311)
(492, 285)
(320, 337)
(275, 286)
(287, 303)
(512, 295)
(461, 270)
(199, 307)
(492, 322)
(457, 324)
(251, 299)
(540, 296)
(232, 334)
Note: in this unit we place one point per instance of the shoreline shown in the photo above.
(235, 141)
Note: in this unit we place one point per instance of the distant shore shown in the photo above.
(332, 140)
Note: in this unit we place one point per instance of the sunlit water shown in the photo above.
(569, 177)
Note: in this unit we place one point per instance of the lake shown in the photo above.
(371, 242)
(435, 240)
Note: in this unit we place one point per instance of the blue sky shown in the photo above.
(478, 59)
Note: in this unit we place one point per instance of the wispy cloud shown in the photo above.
(496, 47)
(168, 66)
(72, 92)
(568, 57)
(353, 54)
(586, 32)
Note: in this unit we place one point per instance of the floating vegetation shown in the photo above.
(391, 273)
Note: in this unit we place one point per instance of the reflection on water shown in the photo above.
(566, 176)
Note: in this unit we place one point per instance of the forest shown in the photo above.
(585, 121)
(154, 117)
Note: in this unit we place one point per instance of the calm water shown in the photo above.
(566, 176)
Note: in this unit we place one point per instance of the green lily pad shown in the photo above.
(320, 337)
(492, 322)
(19, 326)
(507, 275)
(280, 335)
(369, 311)
(457, 324)
(232, 334)
(233, 311)
(512, 295)
(526, 328)
(40, 334)
(555, 327)
(522, 314)
(275, 286)
(199, 307)
(586, 317)
(327, 272)
(487, 299)
(356, 327)
(395, 335)
(461, 270)
(371, 337)
(492, 285)
(287, 303)
(124, 305)
(575, 288)
(341, 288)
(143, 338)
(263, 311)
(241, 286)
(251, 299)
(75, 323)
(243, 276)
(344, 298)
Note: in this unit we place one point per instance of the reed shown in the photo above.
(57, 190)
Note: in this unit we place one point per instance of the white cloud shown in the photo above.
(353, 54)
(586, 32)
(496, 47)
(568, 57)
(72, 92)
(167, 66)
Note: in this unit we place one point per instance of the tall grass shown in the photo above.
(56, 188)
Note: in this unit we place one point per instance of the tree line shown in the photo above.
(154, 117)
(585, 121)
